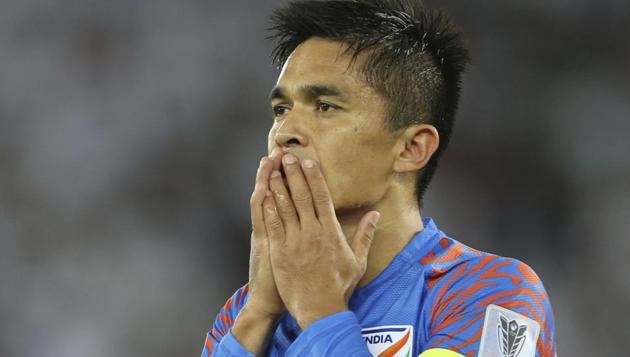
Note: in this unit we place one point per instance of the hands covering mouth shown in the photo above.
(298, 231)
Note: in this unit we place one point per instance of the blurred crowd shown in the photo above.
(130, 134)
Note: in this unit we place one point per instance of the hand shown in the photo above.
(263, 295)
(314, 267)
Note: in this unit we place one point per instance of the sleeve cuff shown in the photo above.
(231, 347)
(328, 334)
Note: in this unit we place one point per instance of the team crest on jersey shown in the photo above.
(390, 341)
(508, 334)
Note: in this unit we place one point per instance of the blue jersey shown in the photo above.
(436, 294)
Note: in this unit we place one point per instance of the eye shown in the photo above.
(279, 110)
(325, 107)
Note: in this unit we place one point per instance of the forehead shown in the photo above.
(319, 60)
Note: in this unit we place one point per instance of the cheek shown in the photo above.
(357, 175)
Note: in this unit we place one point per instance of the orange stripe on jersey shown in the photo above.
(209, 344)
(482, 264)
(242, 294)
(440, 295)
(214, 334)
(529, 274)
(459, 331)
(428, 258)
(484, 261)
(546, 348)
(533, 295)
(494, 297)
(391, 350)
(228, 304)
(492, 273)
(521, 303)
(463, 295)
(227, 321)
(471, 290)
(470, 340)
(452, 254)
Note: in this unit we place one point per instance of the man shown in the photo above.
(341, 262)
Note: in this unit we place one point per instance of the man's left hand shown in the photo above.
(315, 268)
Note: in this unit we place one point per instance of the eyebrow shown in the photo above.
(309, 91)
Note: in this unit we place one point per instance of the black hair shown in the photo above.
(415, 57)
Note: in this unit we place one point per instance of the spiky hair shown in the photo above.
(415, 57)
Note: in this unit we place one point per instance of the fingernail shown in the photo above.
(375, 217)
(275, 174)
(289, 159)
(262, 160)
(308, 163)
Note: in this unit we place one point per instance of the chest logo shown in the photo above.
(389, 341)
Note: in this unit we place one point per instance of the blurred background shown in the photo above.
(130, 134)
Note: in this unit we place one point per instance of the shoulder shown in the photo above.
(461, 283)
(453, 265)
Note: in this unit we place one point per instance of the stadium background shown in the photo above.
(130, 134)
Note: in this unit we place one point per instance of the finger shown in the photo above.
(364, 236)
(258, 196)
(319, 191)
(273, 222)
(284, 203)
(276, 158)
(300, 192)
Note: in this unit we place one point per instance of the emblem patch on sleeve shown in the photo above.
(393, 340)
(508, 334)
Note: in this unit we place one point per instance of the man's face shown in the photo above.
(324, 111)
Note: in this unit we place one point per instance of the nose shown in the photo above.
(292, 138)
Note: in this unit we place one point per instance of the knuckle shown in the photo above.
(321, 197)
(302, 197)
(275, 224)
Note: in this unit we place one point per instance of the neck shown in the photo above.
(396, 227)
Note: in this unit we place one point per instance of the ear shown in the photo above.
(417, 144)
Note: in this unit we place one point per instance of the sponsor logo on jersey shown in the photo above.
(389, 341)
(507, 333)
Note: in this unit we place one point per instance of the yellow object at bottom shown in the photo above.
(439, 352)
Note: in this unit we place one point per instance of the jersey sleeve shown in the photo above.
(338, 334)
(459, 308)
(219, 341)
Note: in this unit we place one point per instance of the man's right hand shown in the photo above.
(255, 323)
(263, 294)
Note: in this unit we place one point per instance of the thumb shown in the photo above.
(363, 237)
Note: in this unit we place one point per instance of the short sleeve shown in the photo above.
(462, 296)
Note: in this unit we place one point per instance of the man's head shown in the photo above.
(369, 89)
